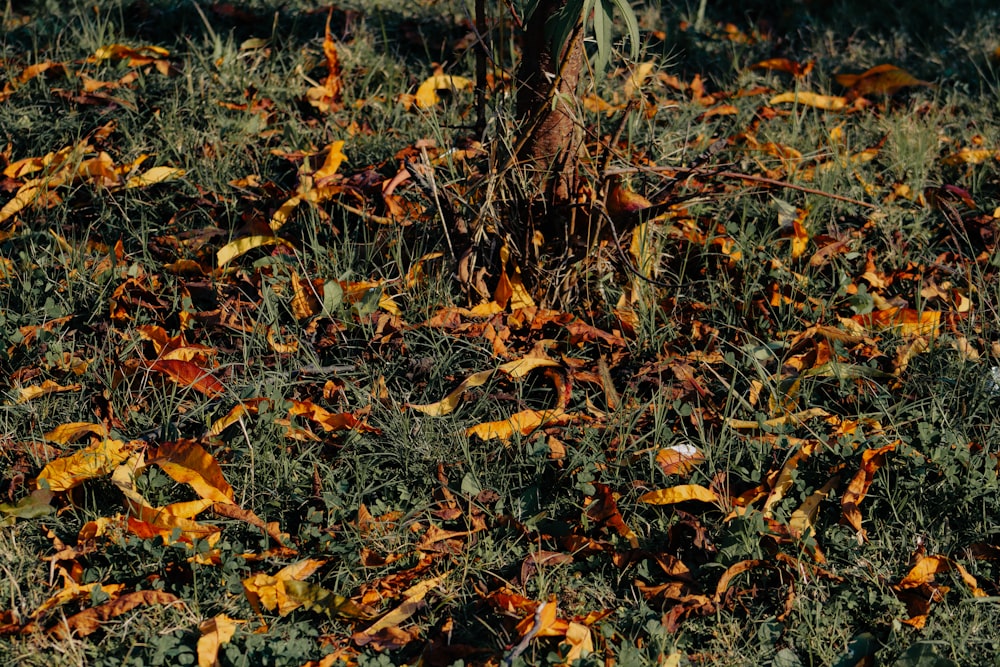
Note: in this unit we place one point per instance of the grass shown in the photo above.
(535, 518)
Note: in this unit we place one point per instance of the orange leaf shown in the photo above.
(880, 80)
(679, 459)
(928, 566)
(215, 632)
(188, 374)
(785, 65)
(904, 321)
(187, 462)
(679, 494)
(734, 571)
(871, 461)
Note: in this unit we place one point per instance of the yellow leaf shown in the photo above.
(636, 80)
(334, 158)
(579, 640)
(215, 632)
(524, 422)
(412, 601)
(284, 211)
(515, 369)
(785, 478)
(970, 156)
(97, 460)
(72, 432)
(427, 92)
(25, 195)
(679, 494)
(154, 176)
(234, 249)
(801, 521)
(269, 591)
(792, 419)
(187, 462)
(825, 102)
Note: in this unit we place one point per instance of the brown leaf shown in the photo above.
(89, 620)
(871, 461)
(796, 69)
(879, 80)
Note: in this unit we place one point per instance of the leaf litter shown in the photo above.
(585, 369)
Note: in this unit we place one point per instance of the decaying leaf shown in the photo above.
(268, 591)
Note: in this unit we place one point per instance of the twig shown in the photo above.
(792, 186)
(743, 177)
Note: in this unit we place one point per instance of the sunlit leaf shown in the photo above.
(154, 176)
(857, 489)
(234, 249)
(515, 369)
(187, 462)
(318, 599)
(825, 102)
(97, 460)
(215, 633)
(678, 459)
(47, 387)
(796, 69)
(268, 591)
(523, 423)
(413, 600)
(679, 494)
(89, 621)
(66, 433)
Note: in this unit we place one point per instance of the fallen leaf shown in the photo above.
(679, 494)
(825, 102)
(880, 80)
(97, 460)
(215, 633)
(427, 93)
(89, 621)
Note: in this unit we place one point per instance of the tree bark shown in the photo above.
(546, 89)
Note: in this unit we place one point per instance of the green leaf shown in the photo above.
(603, 21)
(29, 507)
(859, 650)
(333, 296)
(631, 25)
(923, 654)
(561, 24)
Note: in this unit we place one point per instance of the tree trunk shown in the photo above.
(551, 146)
